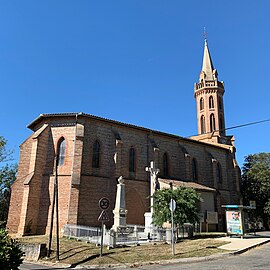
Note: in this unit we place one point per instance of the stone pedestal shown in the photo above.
(148, 222)
(120, 212)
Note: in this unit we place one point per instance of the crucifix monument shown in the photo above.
(154, 185)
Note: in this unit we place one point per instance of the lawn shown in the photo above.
(78, 253)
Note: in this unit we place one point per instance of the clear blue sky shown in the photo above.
(134, 61)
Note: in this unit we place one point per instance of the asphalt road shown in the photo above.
(258, 258)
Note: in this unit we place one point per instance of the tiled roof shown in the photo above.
(177, 183)
(33, 124)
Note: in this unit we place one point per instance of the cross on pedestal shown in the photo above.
(154, 181)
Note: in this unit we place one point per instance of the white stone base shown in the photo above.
(148, 222)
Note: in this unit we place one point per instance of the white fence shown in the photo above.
(126, 235)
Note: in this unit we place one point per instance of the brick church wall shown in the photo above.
(81, 186)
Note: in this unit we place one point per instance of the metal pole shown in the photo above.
(172, 234)
(51, 227)
(57, 214)
(52, 215)
(101, 241)
(171, 187)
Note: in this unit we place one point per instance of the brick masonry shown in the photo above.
(81, 186)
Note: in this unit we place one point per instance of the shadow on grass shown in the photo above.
(95, 256)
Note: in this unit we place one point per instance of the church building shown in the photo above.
(87, 154)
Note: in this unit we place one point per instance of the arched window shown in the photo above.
(203, 124)
(194, 170)
(165, 165)
(211, 102)
(219, 173)
(96, 155)
(212, 123)
(61, 152)
(201, 103)
(131, 159)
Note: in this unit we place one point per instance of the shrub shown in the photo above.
(10, 252)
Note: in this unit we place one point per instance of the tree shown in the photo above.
(10, 252)
(187, 202)
(7, 177)
(255, 184)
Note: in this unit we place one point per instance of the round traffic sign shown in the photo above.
(104, 203)
(172, 205)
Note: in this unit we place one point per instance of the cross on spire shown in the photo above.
(204, 34)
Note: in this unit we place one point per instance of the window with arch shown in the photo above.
(165, 165)
(96, 155)
(203, 130)
(61, 151)
(211, 102)
(219, 173)
(201, 103)
(194, 170)
(212, 123)
(132, 160)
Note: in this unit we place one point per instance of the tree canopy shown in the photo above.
(255, 183)
(7, 177)
(187, 202)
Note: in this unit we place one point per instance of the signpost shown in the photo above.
(172, 206)
(104, 204)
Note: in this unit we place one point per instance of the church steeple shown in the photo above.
(208, 93)
(208, 70)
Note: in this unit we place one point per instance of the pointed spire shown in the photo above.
(207, 68)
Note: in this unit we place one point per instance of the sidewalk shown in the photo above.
(239, 245)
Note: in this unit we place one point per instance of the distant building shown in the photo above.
(92, 152)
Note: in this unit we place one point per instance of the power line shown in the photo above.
(238, 126)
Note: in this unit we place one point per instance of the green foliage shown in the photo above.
(255, 183)
(4, 153)
(187, 201)
(7, 177)
(10, 252)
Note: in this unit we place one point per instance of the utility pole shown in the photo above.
(56, 206)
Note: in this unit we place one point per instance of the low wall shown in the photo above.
(33, 252)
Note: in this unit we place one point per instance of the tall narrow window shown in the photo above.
(194, 170)
(211, 102)
(131, 159)
(201, 103)
(203, 124)
(96, 155)
(165, 165)
(219, 173)
(212, 123)
(61, 152)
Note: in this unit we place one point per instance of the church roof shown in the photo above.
(177, 183)
(33, 125)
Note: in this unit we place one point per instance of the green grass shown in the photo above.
(79, 253)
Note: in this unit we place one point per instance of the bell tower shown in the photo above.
(208, 93)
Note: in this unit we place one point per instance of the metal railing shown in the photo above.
(84, 233)
(125, 235)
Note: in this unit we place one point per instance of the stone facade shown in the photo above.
(96, 152)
